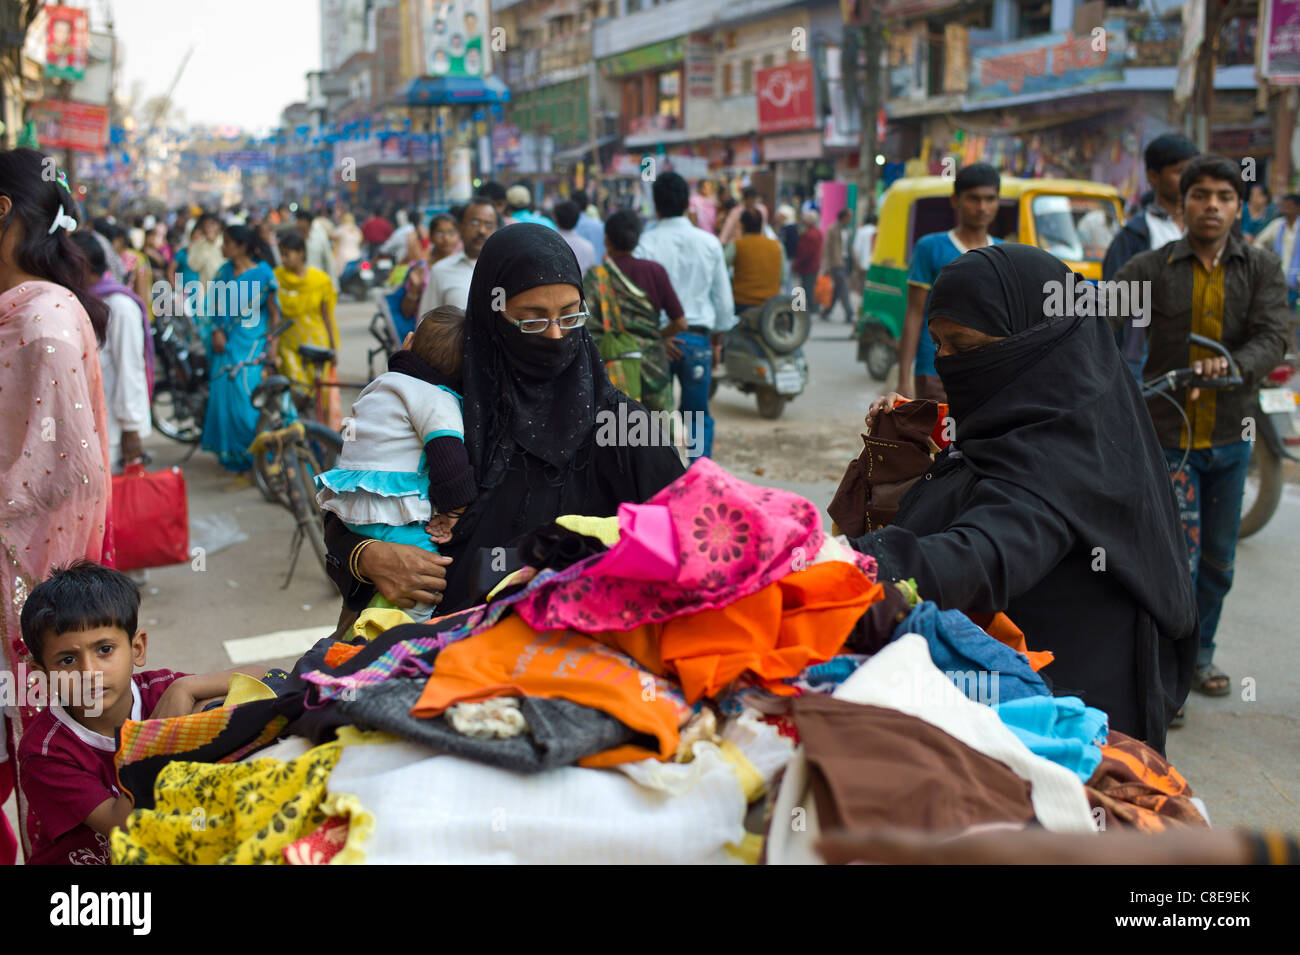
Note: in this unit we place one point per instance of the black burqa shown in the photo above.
(1056, 504)
(531, 406)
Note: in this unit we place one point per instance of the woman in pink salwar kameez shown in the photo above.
(54, 469)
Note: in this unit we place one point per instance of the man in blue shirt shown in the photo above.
(590, 229)
(975, 202)
(519, 205)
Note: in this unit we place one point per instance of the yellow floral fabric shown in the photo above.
(228, 814)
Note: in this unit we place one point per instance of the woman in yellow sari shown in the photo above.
(307, 298)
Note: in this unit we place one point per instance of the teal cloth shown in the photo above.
(1061, 729)
(239, 306)
(413, 534)
(383, 483)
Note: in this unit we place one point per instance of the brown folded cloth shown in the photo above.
(1137, 788)
(873, 766)
(893, 457)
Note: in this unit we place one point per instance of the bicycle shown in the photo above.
(1267, 450)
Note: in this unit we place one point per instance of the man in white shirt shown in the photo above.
(566, 219)
(121, 362)
(697, 269)
(1279, 236)
(448, 282)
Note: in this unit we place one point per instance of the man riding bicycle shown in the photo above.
(1209, 283)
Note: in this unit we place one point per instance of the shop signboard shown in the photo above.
(798, 146)
(689, 167)
(645, 57)
(1281, 46)
(66, 42)
(455, 38)
(64, 124)
(701, 68)
(1052, 63)
(786, 97)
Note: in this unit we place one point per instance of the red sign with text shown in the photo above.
(786, 98)
(64, 124)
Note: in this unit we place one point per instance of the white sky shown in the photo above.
(250, 57)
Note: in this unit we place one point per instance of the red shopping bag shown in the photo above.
(824, 290)
(151, 524)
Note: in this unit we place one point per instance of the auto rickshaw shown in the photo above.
(1071, 218)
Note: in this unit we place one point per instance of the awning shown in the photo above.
(581, 152)
(449, 90)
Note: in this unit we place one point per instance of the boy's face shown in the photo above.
(1210, 208)
(976, 208)
(104, 657)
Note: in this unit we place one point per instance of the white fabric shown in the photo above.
(1267, 239)
(320, 255)
(697, 269)
(795, 826)
(448, 283)
(126, 385)
(440, 809)
(497, 718)
(584, 250)
(393, 418)
(903, 677)
(1163, 230)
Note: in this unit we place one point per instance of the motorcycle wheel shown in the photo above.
(178, 415)
(770, 404)
(879, 351)
(783, 328)
(1266, 467)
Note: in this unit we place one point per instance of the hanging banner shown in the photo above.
(455, 38)
(63, 124)
(1049, 64)
(506, 146)
(67, 37)
(786, 98)
(1281, 45)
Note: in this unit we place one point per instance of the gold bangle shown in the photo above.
(354, 563)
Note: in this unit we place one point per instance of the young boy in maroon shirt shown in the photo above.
(80, 626)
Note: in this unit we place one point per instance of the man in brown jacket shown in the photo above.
(1212, 284)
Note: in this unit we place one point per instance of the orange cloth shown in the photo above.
(511, 659)
(801, 619)
(1000, 628)
(340, 653)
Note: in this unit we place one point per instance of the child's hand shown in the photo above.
(177, 700)
(440, 527)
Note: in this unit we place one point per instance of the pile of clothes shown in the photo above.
(706, 677)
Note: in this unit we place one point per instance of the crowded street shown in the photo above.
(652, 432)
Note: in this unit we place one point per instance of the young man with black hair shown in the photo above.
(757, 266)
(697, 270)
(975, 203)
(1159, 222)
(1279, 236)
(1213, 284)
(566, 219)
(749, 202)
(495, 193)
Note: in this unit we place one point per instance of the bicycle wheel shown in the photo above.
(300, 473)
(325, 443)
(268, 467)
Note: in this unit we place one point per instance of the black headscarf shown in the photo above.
(1053, 410)
(540, 394)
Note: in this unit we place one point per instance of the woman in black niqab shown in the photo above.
(531, 405)
(1054, 503)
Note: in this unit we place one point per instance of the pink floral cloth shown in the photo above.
(733, 539)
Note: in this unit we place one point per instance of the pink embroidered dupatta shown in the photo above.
(54, 469)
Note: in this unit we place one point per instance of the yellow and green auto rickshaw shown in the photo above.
(1071, 218)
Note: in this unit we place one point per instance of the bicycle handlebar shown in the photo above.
(1188, 377)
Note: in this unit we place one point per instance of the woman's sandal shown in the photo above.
(1211, 681)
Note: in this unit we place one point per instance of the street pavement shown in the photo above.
(1240, 753)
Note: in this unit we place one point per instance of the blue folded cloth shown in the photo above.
(985, 669)
(1060, 728)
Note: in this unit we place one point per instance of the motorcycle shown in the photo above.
(763, 355)
(180, 391)
(358, 278)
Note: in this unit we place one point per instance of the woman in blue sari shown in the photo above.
(243, 309)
